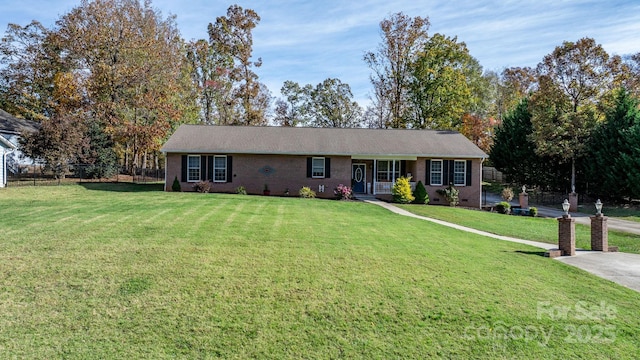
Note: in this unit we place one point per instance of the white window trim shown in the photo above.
(392, 172)
(189, 168)
(225, 168)
(441, 172)
(324, 170)
(464, 173)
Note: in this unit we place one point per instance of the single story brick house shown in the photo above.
(287, 158)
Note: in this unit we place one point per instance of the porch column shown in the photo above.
(393, 171)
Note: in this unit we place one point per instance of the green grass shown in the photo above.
(120, 271)
(623, 212)
(523, 227)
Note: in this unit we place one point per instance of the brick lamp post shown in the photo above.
(599, 233)
(566, 231)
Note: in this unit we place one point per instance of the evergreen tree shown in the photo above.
(513, 151)
(614, 155)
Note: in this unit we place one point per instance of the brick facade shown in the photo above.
(290, 172)
(567, 235)
(599, 233)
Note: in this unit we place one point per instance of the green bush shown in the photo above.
(420, 194)
(503, 207)
(402, 191)
(451, 194)
(533, 211)
(240, 190)
(175, 187)
(307, 193)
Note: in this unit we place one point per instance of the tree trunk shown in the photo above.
(573, 175)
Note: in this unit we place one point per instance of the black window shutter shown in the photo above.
(327, 168)
(229, 168)
(451, 170)
(203, 167)
(309, 161)
(427, 180)
(469, 177)
(445, 172)
(210, 168)
(184, 168)
(403, 167)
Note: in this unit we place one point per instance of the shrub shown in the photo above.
(507, 194)
(176, 185)
(420, 194)
(240, 190)
(202, 186)
(402, 190)
(343, 192)
(451, 194)
(307, 193)
(533, 211)
(503, 207)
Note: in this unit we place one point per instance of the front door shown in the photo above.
(358, 176)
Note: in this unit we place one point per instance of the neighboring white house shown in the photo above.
(10, 157)
(6, 147)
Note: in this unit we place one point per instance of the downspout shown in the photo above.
(166, 161)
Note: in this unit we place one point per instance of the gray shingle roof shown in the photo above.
(320, 141)
(12, 125)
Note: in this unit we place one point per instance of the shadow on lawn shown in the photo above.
(538, 253)
(123, 187)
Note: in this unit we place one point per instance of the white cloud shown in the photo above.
(309, 41)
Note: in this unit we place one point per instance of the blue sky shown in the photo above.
(309, 41)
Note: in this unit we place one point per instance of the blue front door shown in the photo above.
(358, 176)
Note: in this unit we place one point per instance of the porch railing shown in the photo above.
(385, 187)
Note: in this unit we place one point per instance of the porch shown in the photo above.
(376, 176)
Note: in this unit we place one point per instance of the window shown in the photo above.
(459, 173)
(388, 170)
(317, 167)
(436, 173)
(220, 169)
(193, 168)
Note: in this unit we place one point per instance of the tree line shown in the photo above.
(575, 128)
(113, 78)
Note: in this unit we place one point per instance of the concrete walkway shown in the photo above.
(621, 268)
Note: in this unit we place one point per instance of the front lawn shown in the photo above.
(115, 271)
(523, 227)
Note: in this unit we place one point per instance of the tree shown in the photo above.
(441, 85)
(402, 37)
(613, 150)
(571, 81)
(331, 104)
(30, 63)
(210, 75)
(292, 109)
(515, 84)
(60, 137)
(231, 36)
(513, 150)
(133, 61)
(478, 130)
